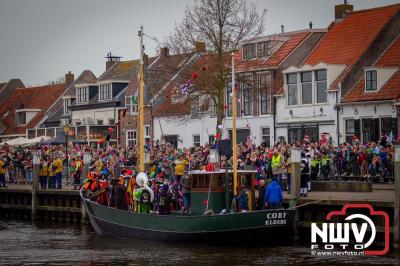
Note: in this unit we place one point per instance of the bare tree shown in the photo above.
(223, 25)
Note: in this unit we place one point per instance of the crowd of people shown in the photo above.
(112, 175)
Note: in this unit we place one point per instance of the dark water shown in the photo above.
(23, 243)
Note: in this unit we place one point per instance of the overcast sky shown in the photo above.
(43, 39)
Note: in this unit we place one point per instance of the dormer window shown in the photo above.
(263, 49)
(82, 95)
(20, 118)
(249, 51)
(371, 80)
(24, 116)
(105, 92)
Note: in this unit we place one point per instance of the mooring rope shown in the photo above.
(308, 203)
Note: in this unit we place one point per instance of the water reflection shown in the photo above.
(50, 244)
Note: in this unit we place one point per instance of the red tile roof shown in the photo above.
(346, 40)
(287, 48)
(294, 40)
(41, 97)
(391, 89)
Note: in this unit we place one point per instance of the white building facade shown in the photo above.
(308, 107)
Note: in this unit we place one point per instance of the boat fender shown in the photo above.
(208, 212)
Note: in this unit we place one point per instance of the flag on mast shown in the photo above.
(134, 97)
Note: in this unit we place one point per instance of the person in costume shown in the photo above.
(144, 195)
(164, 199)
(43, 172)
(104, 196)
(51, 174)
(120, 193)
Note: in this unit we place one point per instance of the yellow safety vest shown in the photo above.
(276, 161)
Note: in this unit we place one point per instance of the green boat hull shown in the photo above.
(261, 225)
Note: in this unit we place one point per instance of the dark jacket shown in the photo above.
(273, 193)
(261, 197)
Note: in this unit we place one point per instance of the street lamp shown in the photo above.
(66, 127)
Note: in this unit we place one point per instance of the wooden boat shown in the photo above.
(197, 227)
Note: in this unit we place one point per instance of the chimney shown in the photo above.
(282, 28)
(111, 60)
(164, 51)
(200, 47)
(342, 9)
(69, 78)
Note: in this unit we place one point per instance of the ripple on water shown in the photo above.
(38, 244)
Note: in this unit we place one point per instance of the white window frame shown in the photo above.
(268, 90)
(147, 131)
(255, 51)
(131, 136)
(315, 85)
(263, 135)
(132, 108)
(213, 108)
(297, 89)
(82, 95)
(376, 80)
(250, 89)
(105, 92)
(193, 141)
(301, 88)
(66, 104)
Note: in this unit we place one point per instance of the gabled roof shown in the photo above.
(41, 97)
(348, 38)
(56, 112)
(120, 71)
(391, 89)
(287, 43)
(173, 73)
(86, 77)
(7, 87)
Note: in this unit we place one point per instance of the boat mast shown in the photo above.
(141, 106)
(234, 154)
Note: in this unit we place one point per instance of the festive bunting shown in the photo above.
(195, 75)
